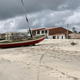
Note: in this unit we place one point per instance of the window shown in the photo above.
(45, 31)
(38, 32)
(62, 37)
(54, 37)
(57, 37)
(42, 32)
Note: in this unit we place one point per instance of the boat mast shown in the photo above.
(27, 20)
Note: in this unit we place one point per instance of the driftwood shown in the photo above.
(73, 43)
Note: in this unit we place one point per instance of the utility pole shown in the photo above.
(67, 31)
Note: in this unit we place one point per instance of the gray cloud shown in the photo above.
(12, 8)
(41, 13)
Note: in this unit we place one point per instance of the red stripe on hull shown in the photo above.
(31, 42)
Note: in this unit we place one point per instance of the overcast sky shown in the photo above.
(41, 13)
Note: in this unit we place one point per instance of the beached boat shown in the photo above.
(8, 44)
(17, 43)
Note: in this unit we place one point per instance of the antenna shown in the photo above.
(27, 20)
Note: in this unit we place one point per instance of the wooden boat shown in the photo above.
(21, 43)
(18, 43)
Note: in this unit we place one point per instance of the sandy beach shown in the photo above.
(49, 60)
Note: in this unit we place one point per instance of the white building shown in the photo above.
(52, 33)
(15, 35)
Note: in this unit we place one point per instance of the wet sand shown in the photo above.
(48, 60)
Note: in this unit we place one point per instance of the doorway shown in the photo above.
(54, 37)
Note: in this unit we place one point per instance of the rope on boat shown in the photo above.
(22, 2)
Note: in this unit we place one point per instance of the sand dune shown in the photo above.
(49, 60)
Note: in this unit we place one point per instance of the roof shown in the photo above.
(59, 30)
(51, 28)
(54, 30)
(34, 29)
(38, 29)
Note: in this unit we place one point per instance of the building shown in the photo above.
(2, 36)
(15, 36)
(52, 33)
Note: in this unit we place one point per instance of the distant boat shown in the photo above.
(7, 44)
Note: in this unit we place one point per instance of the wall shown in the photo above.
(74, 36)
(57, 36)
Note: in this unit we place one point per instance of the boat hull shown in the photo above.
(18, 44)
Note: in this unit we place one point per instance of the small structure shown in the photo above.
(2, 36)
(74, 36)
(15, 35)
(52, 33)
